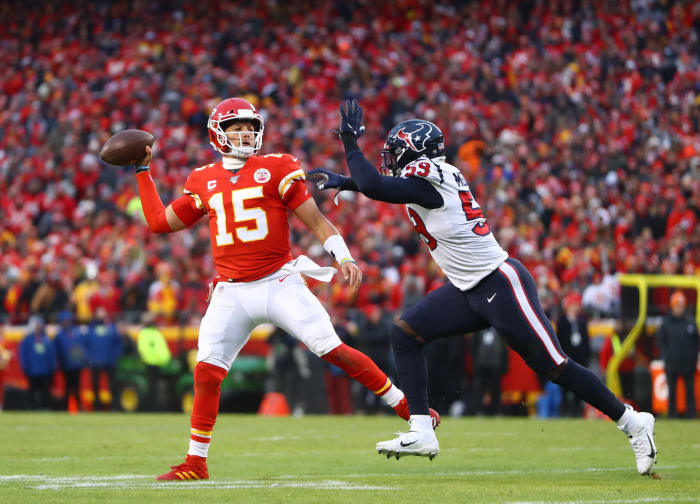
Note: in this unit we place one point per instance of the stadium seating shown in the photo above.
(576, 125)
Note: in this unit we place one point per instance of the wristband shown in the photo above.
(335, 246)
(139, 169)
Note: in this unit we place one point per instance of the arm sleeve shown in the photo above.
(349, 185)
(154, 210)
(186, 210)
(388, 189)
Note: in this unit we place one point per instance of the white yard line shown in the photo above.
(43, 477)
(139, 482)
(479, 472)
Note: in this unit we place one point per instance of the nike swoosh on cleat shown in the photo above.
(404, 445)
(652, 453)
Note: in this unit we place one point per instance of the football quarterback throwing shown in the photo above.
(247, 197)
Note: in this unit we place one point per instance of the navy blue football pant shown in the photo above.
(506, 300)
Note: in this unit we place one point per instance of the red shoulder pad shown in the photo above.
(195, 179)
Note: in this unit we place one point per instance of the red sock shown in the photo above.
(207, 389)
(360, 367)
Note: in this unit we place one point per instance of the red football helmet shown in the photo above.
(227, 111)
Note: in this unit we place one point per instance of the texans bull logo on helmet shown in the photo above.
(409, 140)
(420, 135)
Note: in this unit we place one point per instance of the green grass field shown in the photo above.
(51, 457)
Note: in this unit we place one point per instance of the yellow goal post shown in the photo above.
(643, 283)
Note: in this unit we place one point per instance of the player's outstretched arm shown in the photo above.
(334, 244)
(176, 216)
(367, 177)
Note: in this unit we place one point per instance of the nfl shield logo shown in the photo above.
(234, 179)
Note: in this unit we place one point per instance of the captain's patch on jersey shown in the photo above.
(262, 175)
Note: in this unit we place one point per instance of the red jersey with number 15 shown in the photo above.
(248, 212)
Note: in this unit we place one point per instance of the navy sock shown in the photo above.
(413, 372)
(582, 382)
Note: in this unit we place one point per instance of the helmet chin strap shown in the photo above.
(239, 153)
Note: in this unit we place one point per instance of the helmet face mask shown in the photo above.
(223, 115)
(409, 140)
(244, 137)
(393, 159)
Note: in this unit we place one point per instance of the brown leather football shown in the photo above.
(126, 147)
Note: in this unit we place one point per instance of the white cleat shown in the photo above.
(642, 441)
(413, 442)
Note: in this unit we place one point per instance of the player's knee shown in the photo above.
(556, 374)
(324, 346)
(320, 338)
(404, 337)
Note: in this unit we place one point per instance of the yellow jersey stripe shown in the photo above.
(384, 388)
(286, 182)
(197, 200)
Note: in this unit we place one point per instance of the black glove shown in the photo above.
(351, 119)
(326, 179)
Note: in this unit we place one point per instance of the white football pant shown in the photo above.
(284, 300)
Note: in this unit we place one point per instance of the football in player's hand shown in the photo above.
(126, 147)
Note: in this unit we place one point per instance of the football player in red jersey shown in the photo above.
(247, 198)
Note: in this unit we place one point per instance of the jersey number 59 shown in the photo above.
(473, 211)
(420, 228)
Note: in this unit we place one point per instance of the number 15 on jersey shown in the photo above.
(238, 212)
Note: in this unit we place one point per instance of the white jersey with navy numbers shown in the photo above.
(457, 233)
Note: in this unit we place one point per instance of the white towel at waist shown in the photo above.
(303, 264)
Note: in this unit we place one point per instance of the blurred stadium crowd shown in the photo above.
(575, 123)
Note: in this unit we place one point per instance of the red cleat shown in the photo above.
(401, 409)
(194, 468)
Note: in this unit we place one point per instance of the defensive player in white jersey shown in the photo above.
(246, 198)
(485, 288)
